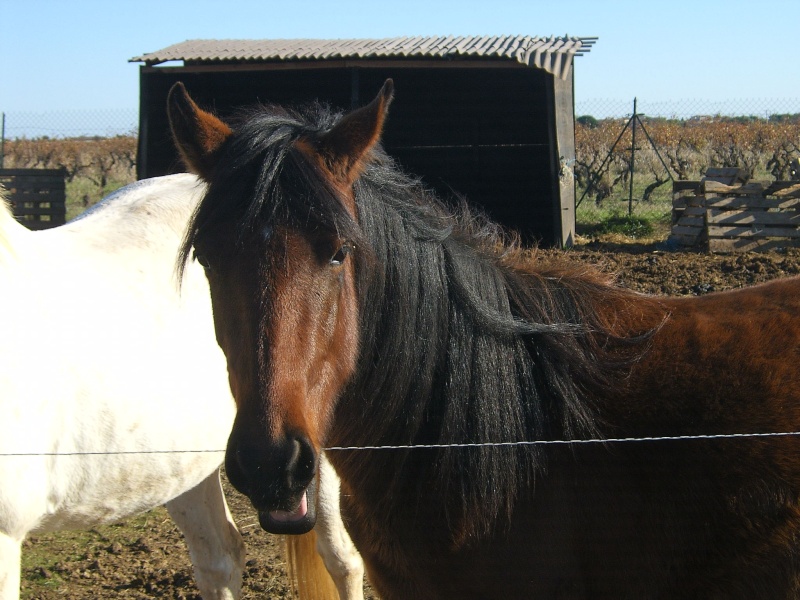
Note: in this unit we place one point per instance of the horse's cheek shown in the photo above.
(348, 326)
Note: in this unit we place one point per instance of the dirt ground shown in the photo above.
(146, 557)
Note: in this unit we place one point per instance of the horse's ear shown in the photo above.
(197, 133)
(349, 142)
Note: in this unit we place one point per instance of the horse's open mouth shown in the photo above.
(284, 516)
(292, 522)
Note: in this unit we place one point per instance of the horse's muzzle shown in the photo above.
(279, 479)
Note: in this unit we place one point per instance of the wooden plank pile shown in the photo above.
(724, 212)
(37, 196)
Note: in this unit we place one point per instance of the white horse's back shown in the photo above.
(102, 354)
(113, 391)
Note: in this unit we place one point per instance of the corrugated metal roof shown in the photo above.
(553, 54)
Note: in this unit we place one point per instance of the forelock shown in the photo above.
(263, 177)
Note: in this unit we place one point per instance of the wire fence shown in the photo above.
(624, 166)
(111, 122)
(71, 123)
(688, 108)
(465, 445)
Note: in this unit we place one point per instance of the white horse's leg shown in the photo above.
(333, 543)
(214, 542)
(10, 556)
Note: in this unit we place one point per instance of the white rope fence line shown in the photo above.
(668, 438)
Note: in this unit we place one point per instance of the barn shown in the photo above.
(489, 119)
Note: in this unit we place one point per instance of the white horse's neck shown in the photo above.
(148, 214)
(141, 214)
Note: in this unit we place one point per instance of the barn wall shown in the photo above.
(223, 92)
(563, 157)
(483, 132)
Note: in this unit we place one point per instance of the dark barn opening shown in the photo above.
(490, 119)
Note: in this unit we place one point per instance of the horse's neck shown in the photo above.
(612, 326)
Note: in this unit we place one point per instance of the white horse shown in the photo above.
(113, 392)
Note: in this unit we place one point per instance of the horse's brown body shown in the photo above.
(487, 348)
(706, 518)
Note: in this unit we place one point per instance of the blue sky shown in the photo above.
(73, 54)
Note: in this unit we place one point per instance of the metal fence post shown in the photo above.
(633, 156)
(2, 139)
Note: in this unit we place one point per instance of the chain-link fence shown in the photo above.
(71, 123)
(110, 122)
(624, 166)
(95, 148)
(687, 108)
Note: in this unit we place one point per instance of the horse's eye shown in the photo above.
(202, 259)
(341, 254)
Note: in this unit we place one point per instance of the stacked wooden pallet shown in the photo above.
(723, 212)
(37, 196)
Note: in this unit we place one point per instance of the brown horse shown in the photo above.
(357, 310)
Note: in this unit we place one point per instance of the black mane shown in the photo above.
(461, 340)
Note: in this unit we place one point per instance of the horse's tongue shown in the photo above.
(284, 516)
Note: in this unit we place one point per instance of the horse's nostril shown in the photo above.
(302, 463)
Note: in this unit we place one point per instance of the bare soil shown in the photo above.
(145, 557)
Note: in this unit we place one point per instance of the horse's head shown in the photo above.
(277, 234)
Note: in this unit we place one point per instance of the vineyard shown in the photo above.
(687, 147)
(764, 147)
